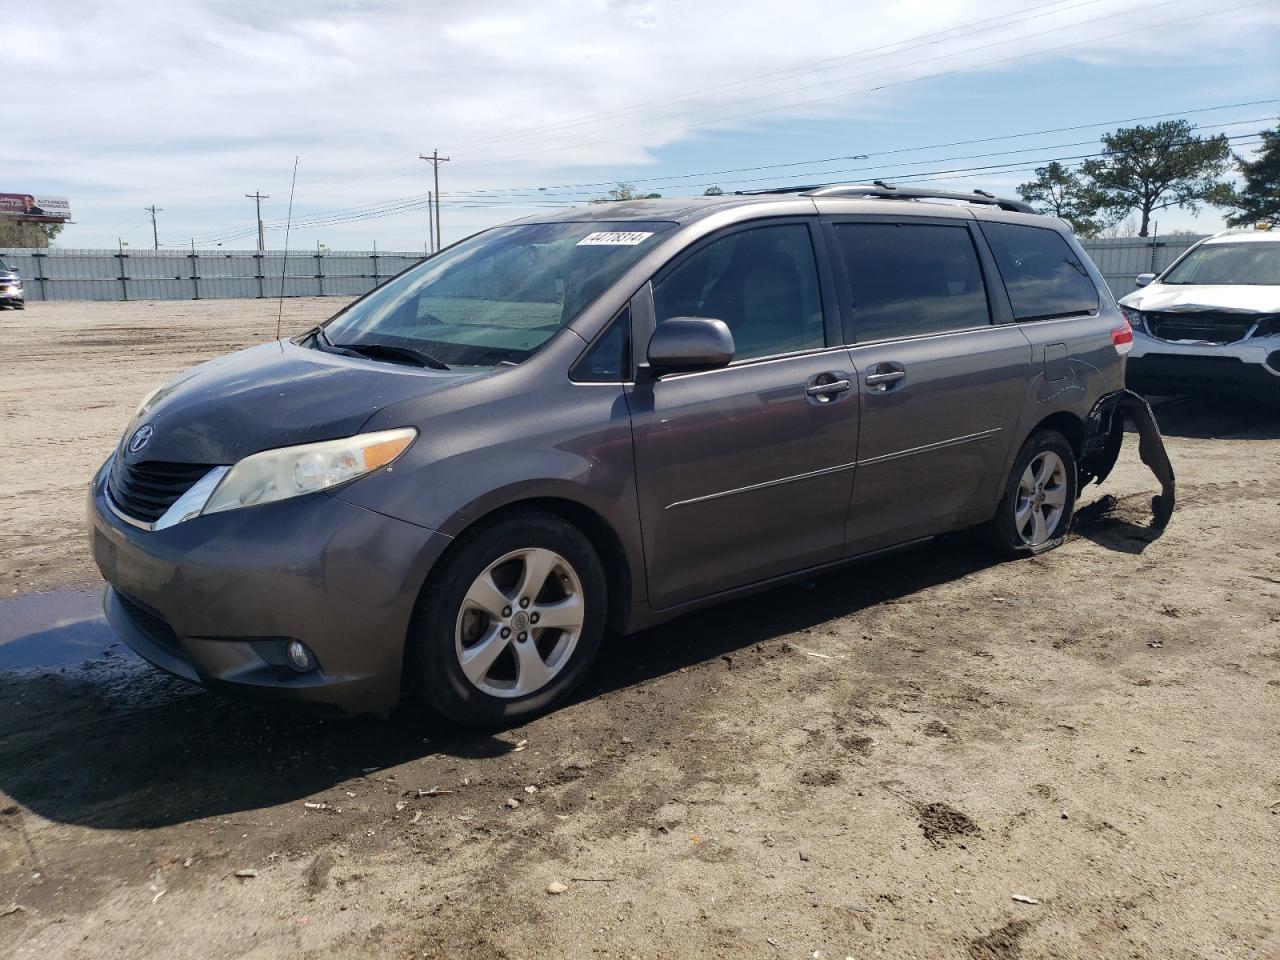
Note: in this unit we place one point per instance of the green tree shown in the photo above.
(16, 233)
(625, 191)
(713, 192)
(1144, 169)
(1060, 192)
(1259, 200)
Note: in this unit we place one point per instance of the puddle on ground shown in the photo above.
(59, 629)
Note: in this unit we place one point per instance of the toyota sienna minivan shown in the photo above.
(600, 419)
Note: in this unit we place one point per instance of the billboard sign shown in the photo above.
(31, 208)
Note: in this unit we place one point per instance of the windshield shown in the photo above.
(499, 295)
(1229, 264)
(4, 266)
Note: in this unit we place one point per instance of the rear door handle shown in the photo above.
(883, 375)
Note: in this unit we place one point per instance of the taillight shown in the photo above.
(1122, 338)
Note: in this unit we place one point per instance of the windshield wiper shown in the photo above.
(386, 351)
(392, 352)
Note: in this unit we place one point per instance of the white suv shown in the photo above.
(1211, 321)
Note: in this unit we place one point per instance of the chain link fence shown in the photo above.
(58, 274)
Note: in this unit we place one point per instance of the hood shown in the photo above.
(1174, 297)
(274, 395)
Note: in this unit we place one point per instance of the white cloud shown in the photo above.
(193, 104)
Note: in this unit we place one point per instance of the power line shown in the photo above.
(927, 39)
(896, 83)
(942, 174)
(663, 182)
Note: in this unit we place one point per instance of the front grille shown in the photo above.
(146, 490)
(151, 625)
(1214, 327)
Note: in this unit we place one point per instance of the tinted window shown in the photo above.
(609, 357)
(762, 283)
(1042, 274)
(911, 279)
(499, 295)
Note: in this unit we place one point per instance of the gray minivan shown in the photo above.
(604, 418)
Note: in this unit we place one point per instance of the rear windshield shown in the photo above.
(1229, 264)
(499, 295)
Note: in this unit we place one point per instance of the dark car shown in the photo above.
(604, 418)
(11, 292)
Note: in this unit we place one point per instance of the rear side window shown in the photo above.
(1042, 274)
(911, 279)
(763, 283)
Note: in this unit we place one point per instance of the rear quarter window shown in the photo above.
(1042, 274)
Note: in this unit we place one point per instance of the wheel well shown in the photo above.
(604, 540)
(1067, 424)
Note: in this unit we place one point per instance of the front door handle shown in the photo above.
(824, 391)
(884, 375)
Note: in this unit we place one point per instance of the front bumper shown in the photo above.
(1163, 367)
(213, 599)
(11, 296)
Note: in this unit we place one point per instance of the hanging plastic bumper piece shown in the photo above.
(1106, 436)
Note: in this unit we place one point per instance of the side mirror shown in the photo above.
(1143, 279)
(690, 343)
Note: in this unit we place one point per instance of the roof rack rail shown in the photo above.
(879, 190)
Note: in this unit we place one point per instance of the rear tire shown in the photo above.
(482, 651)
(1039, 499)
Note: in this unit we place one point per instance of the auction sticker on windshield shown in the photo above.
(606, 239)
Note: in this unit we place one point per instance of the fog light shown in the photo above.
(300, 658)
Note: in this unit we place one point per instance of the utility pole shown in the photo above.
(257, 199)
(155, 237)
(435, 160)
(431, 230)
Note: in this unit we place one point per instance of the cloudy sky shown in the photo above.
(190, 105)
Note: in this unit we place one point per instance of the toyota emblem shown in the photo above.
(141, 437)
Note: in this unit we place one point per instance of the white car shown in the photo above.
(11, 294)
(1211, 321)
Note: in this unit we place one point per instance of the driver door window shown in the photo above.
(762, 282)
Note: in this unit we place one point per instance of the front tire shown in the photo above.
(1039, 499)
(510, 621)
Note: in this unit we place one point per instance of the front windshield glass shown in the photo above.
(3, 265)
(499, 295)
(1229, 264)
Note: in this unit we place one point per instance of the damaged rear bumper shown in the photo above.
(1105, 436)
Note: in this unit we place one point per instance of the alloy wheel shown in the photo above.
(1041, 500)
(520, 622)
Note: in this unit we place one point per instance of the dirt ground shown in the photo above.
(929, 756)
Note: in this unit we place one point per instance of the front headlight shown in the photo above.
(294, 471)
(1134, 317)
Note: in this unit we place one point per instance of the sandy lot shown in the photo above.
(874, 764)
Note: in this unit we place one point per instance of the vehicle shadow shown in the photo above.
(143, 750)
(1122, 525)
